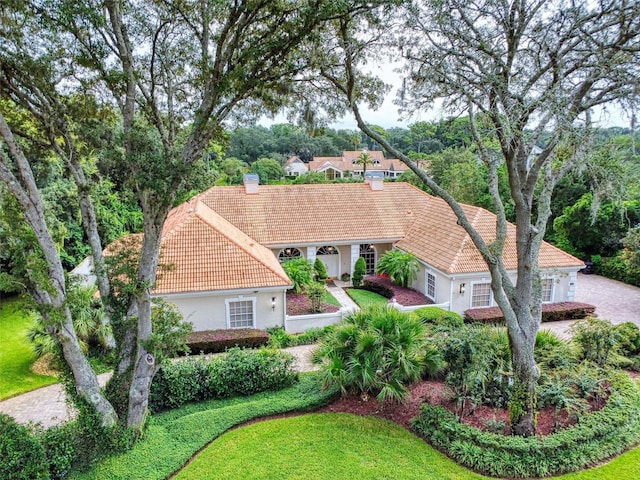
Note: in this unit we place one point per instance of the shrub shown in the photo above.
(598, 436)
(216, 341)
(59, 443)
(374, 351)
(628, 339)
(438, 316)
(551, 312)
(315, 291)
(476, 357)
(552, 352)
(596, 339)
(239, 372)
(359, 269)
(379, 285)
(22, 455)
(279, 338)
(299, 271)
(244, 372)
(320, 270)
(402, 267)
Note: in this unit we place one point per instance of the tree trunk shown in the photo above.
(526, 374)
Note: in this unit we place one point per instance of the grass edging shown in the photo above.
(599, 436)
(172, 438)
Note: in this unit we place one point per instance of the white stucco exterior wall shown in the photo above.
(208, 311)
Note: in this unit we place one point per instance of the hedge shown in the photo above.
(597, 437)
(216, 341)
(238, 373)
(551, 312)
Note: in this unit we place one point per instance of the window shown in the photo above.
(547, 289)
(240, 313)
(481, 295)
(327, 250)
(289, 253)
(368, 252)
(431, 286)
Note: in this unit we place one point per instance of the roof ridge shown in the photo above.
(215, 221)
(467, 238)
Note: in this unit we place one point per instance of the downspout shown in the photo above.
(451, 282)
(284, 304)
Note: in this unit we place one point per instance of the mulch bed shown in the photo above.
(435, 393)
(300, 304)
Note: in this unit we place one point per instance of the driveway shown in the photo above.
(615, 301)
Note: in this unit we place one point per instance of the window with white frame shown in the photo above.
(289, 253)
(547, 289)
(481, 295)
(241, 313)
(431, 286)
(368, 252)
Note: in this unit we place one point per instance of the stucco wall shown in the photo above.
(209, 311)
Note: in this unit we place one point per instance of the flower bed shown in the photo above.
(551, 312)
(300, 304)
(404, 296)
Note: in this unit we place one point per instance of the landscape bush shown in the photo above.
(239, 372)
(376, 351)
(552, 352)
(382, 285)
(22, 457)
(359, 270)
(60, 445)
(596, 339)
(299, 271)
(439, 317)
(628, 339)
(596, 437)
(551, 312)
(216, 341)
(280, 338)
(320, 270)
(401, 267)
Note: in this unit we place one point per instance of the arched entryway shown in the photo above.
(330, 256)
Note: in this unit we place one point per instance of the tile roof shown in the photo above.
(201, 251)
(345, 162)
(220, 239)
(437, 239)
(316, 213)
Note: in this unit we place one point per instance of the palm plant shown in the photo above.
(376, 351)
(402, 267)
(299, 271)
(364, 159)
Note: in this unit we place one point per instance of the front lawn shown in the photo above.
(330, 446)
(322, 446)
(16, 354)
(365, 298)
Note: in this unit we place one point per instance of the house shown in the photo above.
(224, 248)
(346, 166)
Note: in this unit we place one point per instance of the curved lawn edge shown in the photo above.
(322, 446)
(173, 437)
(438, 466)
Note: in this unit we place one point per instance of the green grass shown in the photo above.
(16, 354)
(322, 446)
(330, 299)
(365, 298)
(171, 438)
(331, 446)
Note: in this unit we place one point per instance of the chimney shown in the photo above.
(375, 180)
(251, 181)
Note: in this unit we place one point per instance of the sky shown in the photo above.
(387, 115)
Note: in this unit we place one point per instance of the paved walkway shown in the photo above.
(48, 406)
(615, 301)
(340, 295)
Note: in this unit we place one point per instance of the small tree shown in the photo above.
(359, 269)
(364, 159)
(402, 267)
(315, 292)
(320, 269)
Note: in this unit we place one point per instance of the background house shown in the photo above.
(346, 166)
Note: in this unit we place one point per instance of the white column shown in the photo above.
(311, 254)
(355, 254)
